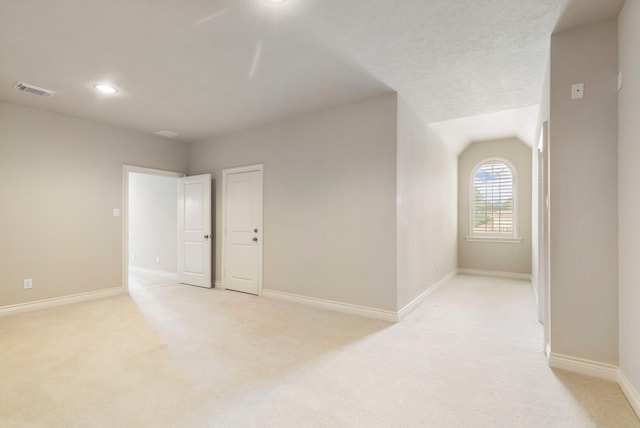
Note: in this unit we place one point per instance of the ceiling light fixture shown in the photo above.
(105, 88)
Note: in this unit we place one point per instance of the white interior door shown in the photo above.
(194, 230)
(242, 265)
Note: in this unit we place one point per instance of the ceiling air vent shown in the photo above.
(167, 134)
(36, 90)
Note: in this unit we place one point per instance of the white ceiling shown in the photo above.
(520, 123)
(207, 67)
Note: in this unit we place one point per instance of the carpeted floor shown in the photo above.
(171, 355)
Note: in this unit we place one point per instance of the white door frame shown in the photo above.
(546, 238)
(126, 169)
(225, 175)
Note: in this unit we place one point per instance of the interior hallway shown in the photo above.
(174, 355)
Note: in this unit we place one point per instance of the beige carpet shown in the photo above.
(177, 356)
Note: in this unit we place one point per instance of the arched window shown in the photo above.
(493, 200)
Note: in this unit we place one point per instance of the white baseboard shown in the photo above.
(162, 273)
(599, 370)
(58, 301)
(402, 314)
(586, 367)
(359, 310)
(334, 306)
(510, 275)
(629, 391)
(218, 285)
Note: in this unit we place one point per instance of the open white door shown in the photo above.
(194, 230)
(242, 226)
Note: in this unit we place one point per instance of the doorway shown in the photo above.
(150, 224)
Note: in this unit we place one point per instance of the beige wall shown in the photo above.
(153, 222)
(427, 206)
(60, 179)
(629, 196)
(329, 200)
(334, 190)
(492, 256)
(584, 214)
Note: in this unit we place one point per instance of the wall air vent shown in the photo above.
(36, 90)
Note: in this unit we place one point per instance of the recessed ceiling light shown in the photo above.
(105, 88)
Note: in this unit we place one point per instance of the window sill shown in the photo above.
(493, 239)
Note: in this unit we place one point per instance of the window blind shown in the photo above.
(493, 207)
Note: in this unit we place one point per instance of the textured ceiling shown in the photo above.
(581, 12)
(520, 123)
(206, 67)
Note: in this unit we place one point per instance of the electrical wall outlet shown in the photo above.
(28, 283)
(157, 259)
(577, 91)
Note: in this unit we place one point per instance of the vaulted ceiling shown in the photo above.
(202, 68)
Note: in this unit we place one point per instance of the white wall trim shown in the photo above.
(334, 306)
(172, 275)
(494, 240)
(599, 370)
(510, 275)
(59, 301)
(402, 314)
(586, 367)
(218, 285)
(629, 391)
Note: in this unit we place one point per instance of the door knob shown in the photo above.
(206, 236)
(255, 239)
(255, 230)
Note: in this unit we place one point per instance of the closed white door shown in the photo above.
(194, 230)
(242, 256)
